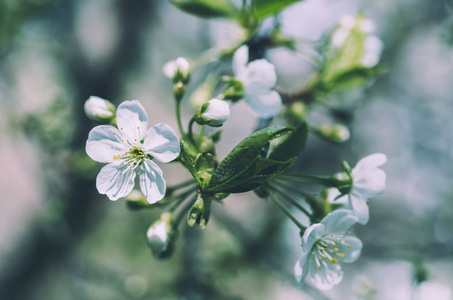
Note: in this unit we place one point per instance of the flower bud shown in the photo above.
(213, 113)
(337, 133)
(161, 236)
(99, 110)
(178, 70)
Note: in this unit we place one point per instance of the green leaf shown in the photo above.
(265, 8)
(247, 160)
(200, 211)
(290, 145)
(206, 8)
(260, 172)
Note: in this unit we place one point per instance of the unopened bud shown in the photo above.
(214, 113)
(235, 89)
(178, 70)
(161, 236)
(337, 133)
(99, 110)
(178, 90)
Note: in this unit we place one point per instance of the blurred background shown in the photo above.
(60, 239)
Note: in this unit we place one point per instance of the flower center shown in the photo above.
(327, 250)
(135, 155)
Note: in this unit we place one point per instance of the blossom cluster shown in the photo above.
(124, 142)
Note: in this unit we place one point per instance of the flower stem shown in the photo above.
(305, 178)
(178, 118)
(183, 210)
(174, 188)
(190, 134)
(286, 211)
(292, 201)
(310, 199)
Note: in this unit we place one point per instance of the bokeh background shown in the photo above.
(60, 239)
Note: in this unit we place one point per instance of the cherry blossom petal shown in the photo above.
(311, 235)
(370, 162)
(301, 268)
(360, 208)
(369, 183)
(132, 120)
(339, 220)
(116, 180)
(103, 143)
(258, 76)
(350, 249)
(152, 183)
(265, 105)
(162, 143)
(240, 59)
(325, 277)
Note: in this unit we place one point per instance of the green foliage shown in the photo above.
(290, 145)
(201, 167)
(265, 8)
(246, 167)
(206, 8)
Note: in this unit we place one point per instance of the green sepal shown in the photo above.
(200, 211)
(265, 8)
(204, 166)
(246, 167)
(206, 8)
(201, 167)
(290, 145)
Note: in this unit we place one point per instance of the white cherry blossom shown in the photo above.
(368, 181)
(129, 148)
(258, 78)
(324, 246)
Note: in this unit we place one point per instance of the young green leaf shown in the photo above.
(247, 160)
(206, 8)
(290, 145)
(265, 8)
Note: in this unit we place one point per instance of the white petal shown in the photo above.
(332, 197)
(240, 59)
(162, 143)
(310, 236)
(372, 51)
(339, 37)
(301, 267)
(360, 208)
(100, 141)
(115, 180)
(350, 247)
(325, 278)
(152, 183)
(265, 105)
(369, 183)
(132, 120)
(259, 76)
(339, 220)
(370, 162)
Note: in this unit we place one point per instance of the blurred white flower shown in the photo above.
(177, 70)
(368, 181)
(130, 146)
(372, 46)
(99, 110)
(324, 246)
(215, 112)
(372, 51)
(258, 78)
